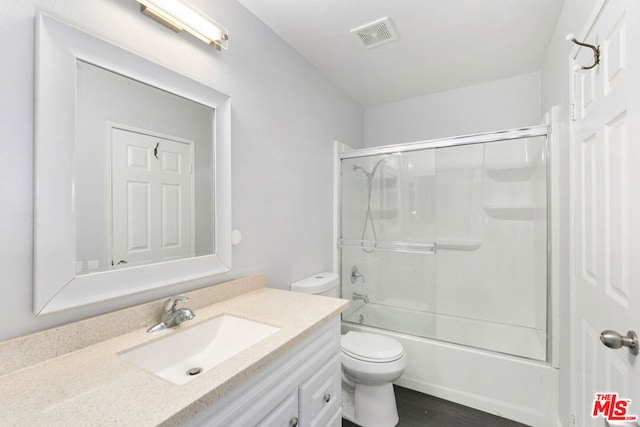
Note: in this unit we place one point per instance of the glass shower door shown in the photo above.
(449, 243)
(388, 239)
(491, 247)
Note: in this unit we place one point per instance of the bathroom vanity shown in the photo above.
(76, 374)
(301, 388)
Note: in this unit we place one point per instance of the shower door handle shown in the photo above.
(612, 339)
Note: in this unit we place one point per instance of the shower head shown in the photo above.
(364, 171)
(371, 174)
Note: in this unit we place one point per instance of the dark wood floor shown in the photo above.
(420, 410)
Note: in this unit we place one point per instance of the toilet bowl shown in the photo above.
(370, 364)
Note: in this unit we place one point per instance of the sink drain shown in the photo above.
(194, 371)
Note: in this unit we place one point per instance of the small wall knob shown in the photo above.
(327, 397)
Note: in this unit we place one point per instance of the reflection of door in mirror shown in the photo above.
(106, 101)
(152, 187)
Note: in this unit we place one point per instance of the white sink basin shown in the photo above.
(178, 357)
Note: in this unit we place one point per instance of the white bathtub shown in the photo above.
(503, 338)
(513, 387)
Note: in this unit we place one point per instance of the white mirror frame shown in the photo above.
(56, 286)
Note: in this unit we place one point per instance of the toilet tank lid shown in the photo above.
(317, 283)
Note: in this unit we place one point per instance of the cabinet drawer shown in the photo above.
(321, 394)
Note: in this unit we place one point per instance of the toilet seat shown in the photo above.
(371, 347)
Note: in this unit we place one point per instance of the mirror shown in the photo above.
(150, 153)
(132, 182)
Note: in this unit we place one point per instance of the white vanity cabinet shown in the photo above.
(301, 388)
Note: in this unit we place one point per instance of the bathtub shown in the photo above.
(509, 386)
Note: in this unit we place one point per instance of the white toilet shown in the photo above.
(370, 364)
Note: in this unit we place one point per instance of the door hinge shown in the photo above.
(572, 111)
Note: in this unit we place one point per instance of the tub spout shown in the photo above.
(356, 296)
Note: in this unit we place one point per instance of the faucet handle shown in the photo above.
(171, 303)
(355, 274)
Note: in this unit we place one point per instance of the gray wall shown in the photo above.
(285, 117)
(502, 104)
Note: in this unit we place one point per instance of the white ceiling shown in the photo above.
(443, 44)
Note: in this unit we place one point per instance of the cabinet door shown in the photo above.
(321, 395)
(336, 419)
(284, 415)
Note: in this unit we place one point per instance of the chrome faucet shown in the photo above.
(363, 297)
(171, 315)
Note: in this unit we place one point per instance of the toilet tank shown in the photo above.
(325, 283)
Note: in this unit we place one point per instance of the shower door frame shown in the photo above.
(477, 138)
(472, 139)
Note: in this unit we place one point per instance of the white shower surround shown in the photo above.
(484, 208)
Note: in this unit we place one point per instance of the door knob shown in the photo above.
(612, 339)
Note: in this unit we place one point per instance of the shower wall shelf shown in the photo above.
(413, 247)
(523, 212)
(512, 174)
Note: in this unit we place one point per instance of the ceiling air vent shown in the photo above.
(375, 33)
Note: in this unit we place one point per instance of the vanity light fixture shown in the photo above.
(178, 15)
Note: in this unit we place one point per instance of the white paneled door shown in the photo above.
(605, 192)
(152, 198)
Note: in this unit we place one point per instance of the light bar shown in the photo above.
(178, 15)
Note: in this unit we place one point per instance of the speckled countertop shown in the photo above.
(46, 380)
